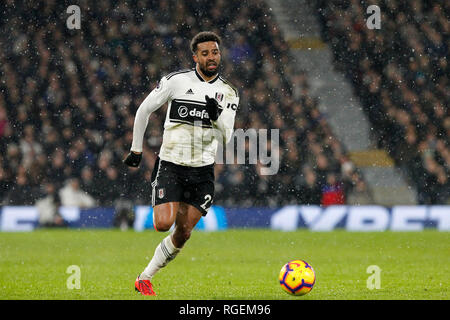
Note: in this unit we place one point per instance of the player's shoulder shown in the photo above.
(178, 73)
(228, 83)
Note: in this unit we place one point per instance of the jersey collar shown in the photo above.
(199, 76)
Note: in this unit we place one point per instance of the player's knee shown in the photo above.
(161, 224)
(162, 227)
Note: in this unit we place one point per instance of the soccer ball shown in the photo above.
(297, 277)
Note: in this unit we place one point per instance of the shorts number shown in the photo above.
(207, 199)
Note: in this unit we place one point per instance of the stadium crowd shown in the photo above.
(401, 73)
(68, 99)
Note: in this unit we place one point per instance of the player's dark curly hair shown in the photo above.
(203, 37)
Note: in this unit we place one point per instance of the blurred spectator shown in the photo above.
(29, 148)
(332, 191)
(87, 182)
(72, 196)
(309, 192)
(3, 121)
(48, 208)
(21, 192)
(4, 184)
(360, 195)
(124, 214)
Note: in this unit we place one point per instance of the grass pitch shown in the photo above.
(234, 264)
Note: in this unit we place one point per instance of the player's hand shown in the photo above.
(133, 159)
(212, 106)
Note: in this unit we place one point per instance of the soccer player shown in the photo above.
(200, 115)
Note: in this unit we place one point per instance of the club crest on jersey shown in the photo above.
(161, 193)
(219, 96)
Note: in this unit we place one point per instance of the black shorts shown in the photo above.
(176, 183)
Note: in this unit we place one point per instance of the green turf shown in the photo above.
(234, 264)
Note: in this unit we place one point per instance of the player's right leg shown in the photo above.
(164, 216)
(165, 193)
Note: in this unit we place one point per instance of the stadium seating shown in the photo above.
(401, 74)
(68, 99)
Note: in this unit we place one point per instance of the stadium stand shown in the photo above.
(401, 74)
(68, 99)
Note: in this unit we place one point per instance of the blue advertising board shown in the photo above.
(289, 218)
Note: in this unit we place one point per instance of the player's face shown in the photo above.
(208, 57)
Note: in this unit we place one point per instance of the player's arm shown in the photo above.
(151, 103)
(223, 119)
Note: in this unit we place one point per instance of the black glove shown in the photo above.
(133, 159)
(212, 106)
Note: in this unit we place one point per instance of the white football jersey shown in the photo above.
(190, 138)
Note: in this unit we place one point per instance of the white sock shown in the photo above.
(164, 253)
